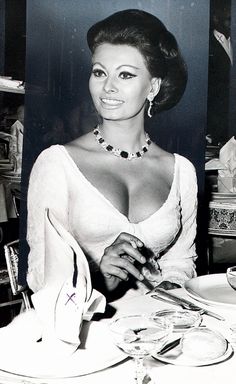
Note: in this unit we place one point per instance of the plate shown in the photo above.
(31, 360)
(176, 357)
(212, 289)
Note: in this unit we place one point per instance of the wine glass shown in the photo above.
(231, 276)
(139, 336)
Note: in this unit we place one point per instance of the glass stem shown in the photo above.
(139, 370)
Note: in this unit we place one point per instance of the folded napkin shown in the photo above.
(67, 297)
(214, 164)
(227, 177)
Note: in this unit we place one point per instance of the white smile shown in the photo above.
(112, 102)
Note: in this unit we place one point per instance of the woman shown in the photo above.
(130, 205)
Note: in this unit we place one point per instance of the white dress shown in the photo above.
(169, 233)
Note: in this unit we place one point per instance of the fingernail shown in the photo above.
(133, 243)
(141, 277)
(140, 243)
(143, 260)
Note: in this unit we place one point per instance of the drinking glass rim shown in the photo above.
(144, 316)
(231, 269)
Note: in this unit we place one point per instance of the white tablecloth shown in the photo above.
(161, 373)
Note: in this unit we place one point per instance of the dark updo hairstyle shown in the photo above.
(158, 46)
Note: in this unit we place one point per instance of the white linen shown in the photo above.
(225, 43)
(227, 176)
(160, 373)
(67, 295)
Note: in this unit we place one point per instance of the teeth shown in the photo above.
(111, 101)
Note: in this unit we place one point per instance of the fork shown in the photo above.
(172, 299)
(183, 305)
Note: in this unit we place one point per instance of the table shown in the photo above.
(161, 373)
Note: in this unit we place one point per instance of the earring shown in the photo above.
(149, 108)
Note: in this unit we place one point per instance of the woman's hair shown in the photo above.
(158, 46)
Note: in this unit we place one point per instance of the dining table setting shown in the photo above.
(185, 334)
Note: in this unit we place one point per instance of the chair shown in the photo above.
(4, 282)
(11, 251)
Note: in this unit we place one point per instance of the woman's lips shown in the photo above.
(111, 102)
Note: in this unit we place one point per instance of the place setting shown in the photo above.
(201, 333)
(171, 337)
(216, 289)
(194, 345)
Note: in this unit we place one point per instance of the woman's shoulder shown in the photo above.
(186, 175)
(50, 152)
(82, 143)
(184, 164)
(165, 160)
(49, 160)
(171, 160)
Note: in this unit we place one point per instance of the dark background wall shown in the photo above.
(2, 36)
(12, 47)
(232, 104)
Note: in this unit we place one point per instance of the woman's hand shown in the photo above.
(168, 285)
(118, 260)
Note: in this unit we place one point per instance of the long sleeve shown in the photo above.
(178, 263)
(47, 189)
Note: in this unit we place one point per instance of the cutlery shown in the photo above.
(184, 303)
(169, 346)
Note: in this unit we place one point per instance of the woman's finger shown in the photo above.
(115, 271)
(119, 266)
(125, 248)
(133, 240)
(125, 265)
(168, 285)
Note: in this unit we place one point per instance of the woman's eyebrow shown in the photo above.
(119, 67)
(128, 65)
(98, 63)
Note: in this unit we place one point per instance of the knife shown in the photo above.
(189, 305)
(169, 346)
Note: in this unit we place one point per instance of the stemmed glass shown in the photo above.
(231, 276)
(139, 336)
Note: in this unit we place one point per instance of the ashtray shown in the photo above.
(180, 319)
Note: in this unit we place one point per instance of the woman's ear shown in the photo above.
(155, 86)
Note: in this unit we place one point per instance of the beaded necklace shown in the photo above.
(118, 152)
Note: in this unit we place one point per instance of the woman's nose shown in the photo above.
(109, 85)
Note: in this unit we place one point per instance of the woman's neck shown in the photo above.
(126, 135)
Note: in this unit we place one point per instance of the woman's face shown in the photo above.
(120, 81)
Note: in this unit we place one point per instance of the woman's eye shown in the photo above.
(98, 73)
(126, 75)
